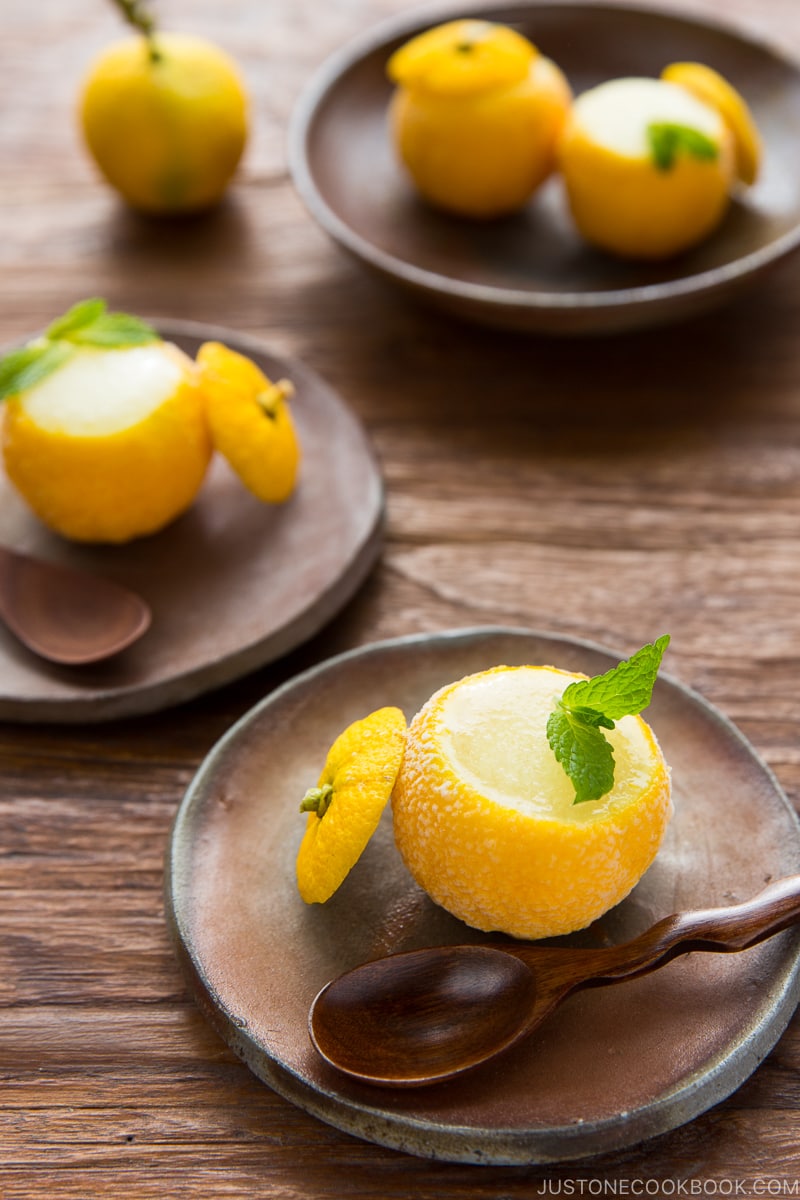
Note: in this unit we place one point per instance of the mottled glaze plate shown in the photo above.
(614, 1065)
(232, 584)
(532, 271)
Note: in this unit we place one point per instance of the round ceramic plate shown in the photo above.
(614, 1065)
(532, 271)
(232, 584)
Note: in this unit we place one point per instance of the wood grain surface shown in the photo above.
(607, 489)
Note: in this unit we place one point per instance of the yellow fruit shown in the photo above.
(250, 421)
(709, 86)
(462, 57)
(112, 445)
(346, 806)
(476, 116)
(623, 196)
(484, 815)
(168, 132)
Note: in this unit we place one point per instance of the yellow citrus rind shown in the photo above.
(250, 421)
(167, 134)
(462, 58)
(118, 486)
(502, 866)
(482, 155)
(623, 203)
(361, 768)
(713, 89)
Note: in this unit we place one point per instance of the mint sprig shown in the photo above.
(668, 140)
(22, 369)
(86, 324)
(587, 706)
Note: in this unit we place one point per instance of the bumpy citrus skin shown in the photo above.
(114, 487)
(709, 86)
(461, 57)
(169, 134)
(499, 867)
(260, 443)
(361, 769)
(476, 116)
(482, 155)
(624, 204)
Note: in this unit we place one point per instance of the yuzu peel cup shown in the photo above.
(104, 428)
(109, 485)
(475, 116)
(499, 856)
(486, 818)
(107, 430)
(648, 167)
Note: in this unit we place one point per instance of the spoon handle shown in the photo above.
(725, 930)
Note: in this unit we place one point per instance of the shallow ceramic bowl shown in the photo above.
(532, 271)
(613, 1066)
(233, 584)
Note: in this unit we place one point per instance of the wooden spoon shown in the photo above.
(426, 1015)
(64, 615)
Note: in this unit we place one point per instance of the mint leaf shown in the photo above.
(113, 330)
(590, 716)
(668, 140)
(22, 369)
(574, 728)
(87, 323)
(90, 324)
(80, 315)
(584, 753)
(624, 690)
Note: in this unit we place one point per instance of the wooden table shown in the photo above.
(606, 489)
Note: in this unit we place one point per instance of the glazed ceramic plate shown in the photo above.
(532, 271)
(614, 1065)
(232, 584)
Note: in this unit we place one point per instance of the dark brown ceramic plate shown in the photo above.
(232, 584)
(532, 271)
(613, 1066)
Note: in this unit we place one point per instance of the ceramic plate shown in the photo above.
(614, 1065)
(232, 584)
(532, 271)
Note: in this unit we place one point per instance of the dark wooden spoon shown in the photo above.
(64, 615)
(426, 1015)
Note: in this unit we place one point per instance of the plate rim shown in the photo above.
(104, 704)
(329, 72)
(724, 1074)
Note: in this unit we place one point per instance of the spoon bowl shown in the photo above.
(67, 616)
(427, 1015)
(438, 1006)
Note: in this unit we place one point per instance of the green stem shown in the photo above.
(317, 800)
(272, 396)
(136, 17)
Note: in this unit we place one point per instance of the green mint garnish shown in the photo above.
(667, 141)
(90, 324)
(22, 369)
(587, 706)
(80, 316)
(86, 324)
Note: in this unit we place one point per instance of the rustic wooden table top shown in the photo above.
(605, 489)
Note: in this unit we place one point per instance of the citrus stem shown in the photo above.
(272, 396)
(136, 17)
(317, 800)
